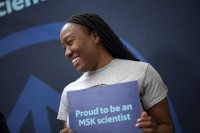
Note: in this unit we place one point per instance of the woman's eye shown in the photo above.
(69, 42)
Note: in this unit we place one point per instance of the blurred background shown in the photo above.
(34, 71)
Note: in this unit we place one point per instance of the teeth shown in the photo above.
(75, 59)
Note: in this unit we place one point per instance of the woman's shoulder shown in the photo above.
(131, 63)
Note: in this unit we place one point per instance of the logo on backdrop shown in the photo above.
(35, 93)
(10, 6)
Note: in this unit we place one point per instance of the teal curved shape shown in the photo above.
(31, 36)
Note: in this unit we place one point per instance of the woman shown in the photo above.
(96, 50)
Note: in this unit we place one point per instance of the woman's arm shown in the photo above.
(156, 119)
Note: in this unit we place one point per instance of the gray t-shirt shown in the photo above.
(151, 87)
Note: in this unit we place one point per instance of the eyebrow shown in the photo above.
(65, 39)
(68, 37)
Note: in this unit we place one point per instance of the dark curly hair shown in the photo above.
(108, 38)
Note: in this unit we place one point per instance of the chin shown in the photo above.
(81, 70)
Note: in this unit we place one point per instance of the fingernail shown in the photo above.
(137, 125)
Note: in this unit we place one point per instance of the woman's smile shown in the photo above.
(75, 61)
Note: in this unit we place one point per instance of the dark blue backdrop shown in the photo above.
(34, 71)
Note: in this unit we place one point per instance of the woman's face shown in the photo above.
(81, 47)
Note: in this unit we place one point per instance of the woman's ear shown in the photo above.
(97, 38)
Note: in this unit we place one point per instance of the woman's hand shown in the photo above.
(66, 130)
(147, 123)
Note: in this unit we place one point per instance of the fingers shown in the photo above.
(144, 120)
(144, 114)
(147, 123)
(67, 130)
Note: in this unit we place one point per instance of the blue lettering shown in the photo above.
(2, 12)
(87, 122)
(18, 5)
(8, 6)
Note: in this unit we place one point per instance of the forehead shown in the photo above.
(70, 28)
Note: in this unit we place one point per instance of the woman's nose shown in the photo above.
(68, 53)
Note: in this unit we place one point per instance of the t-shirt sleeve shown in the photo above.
(62, 111)
(154, 90)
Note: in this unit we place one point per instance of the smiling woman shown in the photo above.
(94, 49)
(83, 48)
(8, 6)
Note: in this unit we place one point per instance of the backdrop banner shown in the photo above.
(34, 70)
